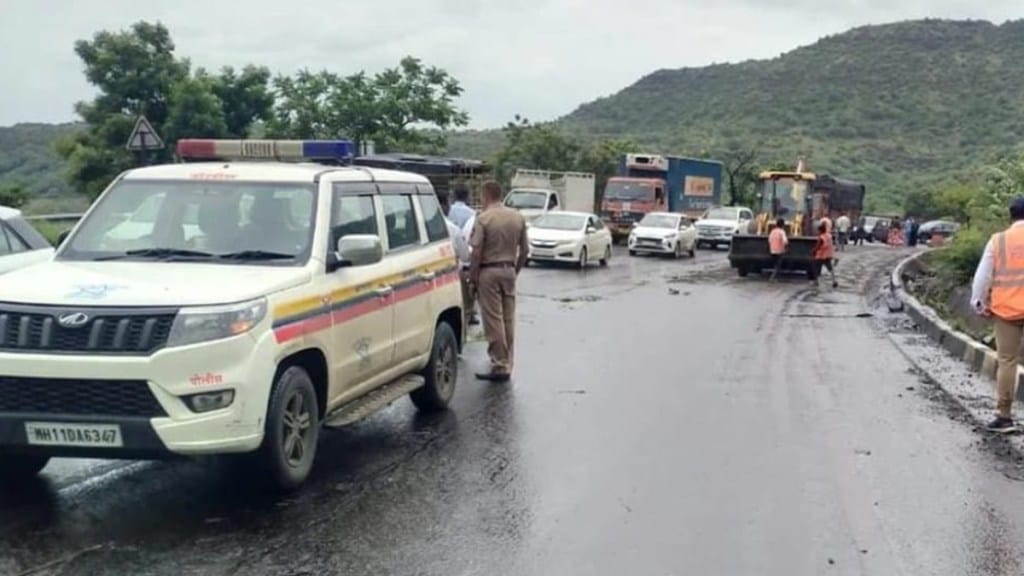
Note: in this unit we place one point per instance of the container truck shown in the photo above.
(534, 192)
(656, 183)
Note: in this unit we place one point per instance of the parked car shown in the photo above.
(718, 225)
(876, 229)
(20, 244)
(664, 233)
(576, 237)
(319, 295)
(944, 228)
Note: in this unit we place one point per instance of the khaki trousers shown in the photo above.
(1008, 340)
(497, 296)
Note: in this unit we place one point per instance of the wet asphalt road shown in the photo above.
(665, 418)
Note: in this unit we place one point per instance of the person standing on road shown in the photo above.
(463, 216)
(998, 292)
(843, 230)
(460, 244)
(823, 255)
(460, 211)
(499, 250)
(777, 245)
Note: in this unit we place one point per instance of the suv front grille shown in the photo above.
(78, 397)
(112, 331)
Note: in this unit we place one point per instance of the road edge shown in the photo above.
(977, 356)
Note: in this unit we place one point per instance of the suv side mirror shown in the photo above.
(591, 229)
(356, 250)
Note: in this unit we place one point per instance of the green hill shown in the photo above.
(897, 106)
(27, 157)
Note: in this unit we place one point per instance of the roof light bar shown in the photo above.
(293, 150)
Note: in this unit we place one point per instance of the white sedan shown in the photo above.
(576, 237)
(20, 244)
(663, 233)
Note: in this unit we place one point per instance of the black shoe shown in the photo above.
(1002, 424)
(835, 285)
(473, 321)
(493, 376)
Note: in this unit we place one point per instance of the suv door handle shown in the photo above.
(428, 276)
(384, 291)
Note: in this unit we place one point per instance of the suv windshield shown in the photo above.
(522, 199)
(660, 221)
(268, 223)
(557, 221)
(721, 214)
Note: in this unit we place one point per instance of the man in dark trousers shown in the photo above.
(499, 251)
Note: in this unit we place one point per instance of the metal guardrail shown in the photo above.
(63, 217)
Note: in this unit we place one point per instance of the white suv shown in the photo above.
(20, 244)
(303, 294)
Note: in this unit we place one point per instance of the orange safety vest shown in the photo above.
(1007, 296)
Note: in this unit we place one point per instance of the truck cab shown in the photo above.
(532, 202)
(627, 200)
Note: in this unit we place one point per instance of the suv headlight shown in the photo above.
(206, 323)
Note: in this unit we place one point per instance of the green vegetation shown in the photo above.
(137, 73)
(907, 108)
(900, 107)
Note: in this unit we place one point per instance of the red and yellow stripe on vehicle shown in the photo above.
(303, 316)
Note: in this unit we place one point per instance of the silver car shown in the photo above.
(20, 244)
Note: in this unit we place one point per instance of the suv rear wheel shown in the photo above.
(293, 427)
(21, 467)
(441, 372)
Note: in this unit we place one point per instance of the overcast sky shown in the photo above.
(538, 58)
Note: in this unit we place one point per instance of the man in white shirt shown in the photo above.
(998, 292)
(460, 211)
(843, 230)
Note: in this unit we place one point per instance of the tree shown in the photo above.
(545, 147)
(739, 164)
(13, 195)
(389, 108)
(538, 146)
(135, 71)
(137, 74)
(196, 110)
(245, 97)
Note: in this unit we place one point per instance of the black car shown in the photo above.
(944, 228)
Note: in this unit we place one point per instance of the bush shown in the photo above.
(960, 258)
(50, 230)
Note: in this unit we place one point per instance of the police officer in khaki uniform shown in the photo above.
(499, 251)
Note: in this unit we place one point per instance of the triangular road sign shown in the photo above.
(144, 137)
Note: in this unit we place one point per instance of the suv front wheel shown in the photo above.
(293, 427)
(441, 372)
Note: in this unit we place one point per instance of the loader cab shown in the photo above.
(785, 195)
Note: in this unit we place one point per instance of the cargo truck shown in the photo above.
(655, 183)
(535, 192)
(800, 198)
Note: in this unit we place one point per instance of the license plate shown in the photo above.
(82, 435)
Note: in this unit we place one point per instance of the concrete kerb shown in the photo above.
(979, 357)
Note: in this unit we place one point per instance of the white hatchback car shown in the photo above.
(663, 233)
(20, 244)
(576, 237)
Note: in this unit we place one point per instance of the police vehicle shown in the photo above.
(270, 289)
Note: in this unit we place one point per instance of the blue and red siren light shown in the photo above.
(284, 150)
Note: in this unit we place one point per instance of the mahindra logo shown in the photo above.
(73, 319)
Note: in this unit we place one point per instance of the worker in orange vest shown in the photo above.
(998, 292)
